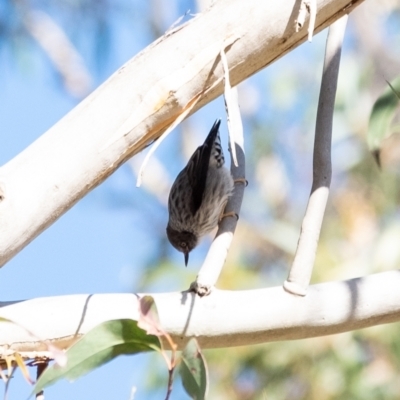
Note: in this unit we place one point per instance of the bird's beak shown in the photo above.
(186, 258)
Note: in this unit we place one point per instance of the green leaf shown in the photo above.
(148, 317)
(395, 90)
(100, 345)
(193, 371)
(382, 115)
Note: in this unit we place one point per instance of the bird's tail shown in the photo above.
(213, 139)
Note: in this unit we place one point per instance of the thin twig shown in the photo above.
(216, 256)
(171, 363)
(301, 270)
(10, 375)
(171, 374)
(150, 322)
(41, 366)
(3, 376)
(177, 22)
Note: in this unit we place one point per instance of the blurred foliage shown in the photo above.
(383, 112)
(361, 231)
(351, 366)
(90, 26)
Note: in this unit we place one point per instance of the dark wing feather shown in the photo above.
(197, 168)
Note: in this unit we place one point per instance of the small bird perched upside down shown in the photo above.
(199, 195)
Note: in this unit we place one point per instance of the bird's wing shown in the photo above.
(197, 167)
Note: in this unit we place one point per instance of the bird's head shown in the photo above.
(183, 241)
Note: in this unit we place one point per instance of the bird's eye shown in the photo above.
(183, 244)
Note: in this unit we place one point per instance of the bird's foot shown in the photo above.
(229, 214)
(200, 289)
(244, 181)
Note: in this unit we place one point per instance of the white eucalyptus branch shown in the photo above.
(216, 256)
(222, 319)
(301, 270)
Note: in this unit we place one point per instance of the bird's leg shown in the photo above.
(229, 214)
(232, 213)
(241, 180)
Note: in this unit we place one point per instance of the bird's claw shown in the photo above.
(241, 180)
(230, 214)
(200, 289)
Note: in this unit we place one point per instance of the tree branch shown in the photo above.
(222, 319)
(301, 270)
(139, 102)
(216, 256)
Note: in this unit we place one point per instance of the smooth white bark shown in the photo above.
(301, 270)
(216, 256)
(222, 319)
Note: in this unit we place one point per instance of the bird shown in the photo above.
(199, 194)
